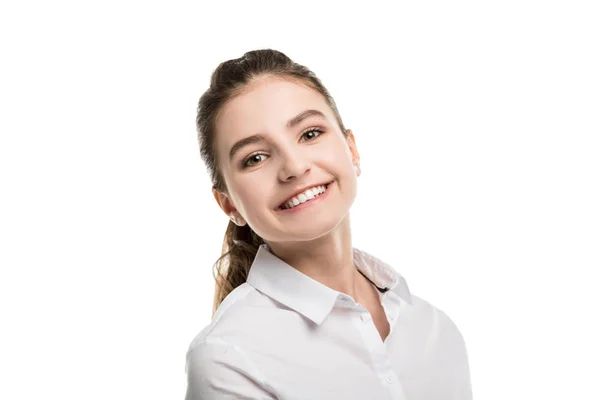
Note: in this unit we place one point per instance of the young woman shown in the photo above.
(299, 313)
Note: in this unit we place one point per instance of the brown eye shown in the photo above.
(253, 160)
(312, 133)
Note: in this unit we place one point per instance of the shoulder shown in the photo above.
(444, 350)
(241, 319)
(434, 314)
(228, 311)
(216, 369)
(216, 365)
(443, 334)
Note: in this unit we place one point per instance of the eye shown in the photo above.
(253, 159)
(312, 133)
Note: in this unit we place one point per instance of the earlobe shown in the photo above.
(227, 206)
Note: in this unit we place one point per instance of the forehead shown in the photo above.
(265, 107)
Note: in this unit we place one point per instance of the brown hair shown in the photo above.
(229, 80)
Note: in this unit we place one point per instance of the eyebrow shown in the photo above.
(303, 115)
(291, 123)
(243, 143)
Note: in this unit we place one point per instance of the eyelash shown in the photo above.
(319, 131)
(245, 163)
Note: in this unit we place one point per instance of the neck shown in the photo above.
(328, 260)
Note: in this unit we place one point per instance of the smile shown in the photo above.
(308, 196)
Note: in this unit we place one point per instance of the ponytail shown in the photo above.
(240, 246)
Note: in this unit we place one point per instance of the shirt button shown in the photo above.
(389, 379)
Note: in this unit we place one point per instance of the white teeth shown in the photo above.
(304, 197)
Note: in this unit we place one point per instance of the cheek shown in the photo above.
(251, 195)
(248, 197)
(335, 151)
(343, 149)
(343, 159)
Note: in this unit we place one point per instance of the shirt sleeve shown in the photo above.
(220, 371)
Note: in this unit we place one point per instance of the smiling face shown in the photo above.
(276, 139)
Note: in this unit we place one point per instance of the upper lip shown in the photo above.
(297, 192)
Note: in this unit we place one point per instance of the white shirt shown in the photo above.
(283, 335)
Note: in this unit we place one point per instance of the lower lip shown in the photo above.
(308, 203)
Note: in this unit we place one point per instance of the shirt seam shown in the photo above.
(220, 313)
(258, 373)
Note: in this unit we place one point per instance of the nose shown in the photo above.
(294, 165)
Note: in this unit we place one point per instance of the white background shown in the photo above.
(477, 122)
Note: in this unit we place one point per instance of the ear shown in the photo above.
(227, 206)
(352, 146)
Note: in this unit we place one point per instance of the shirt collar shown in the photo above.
(292, 288)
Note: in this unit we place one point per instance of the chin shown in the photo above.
(312, 229)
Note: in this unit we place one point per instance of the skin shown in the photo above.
(316, 240)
